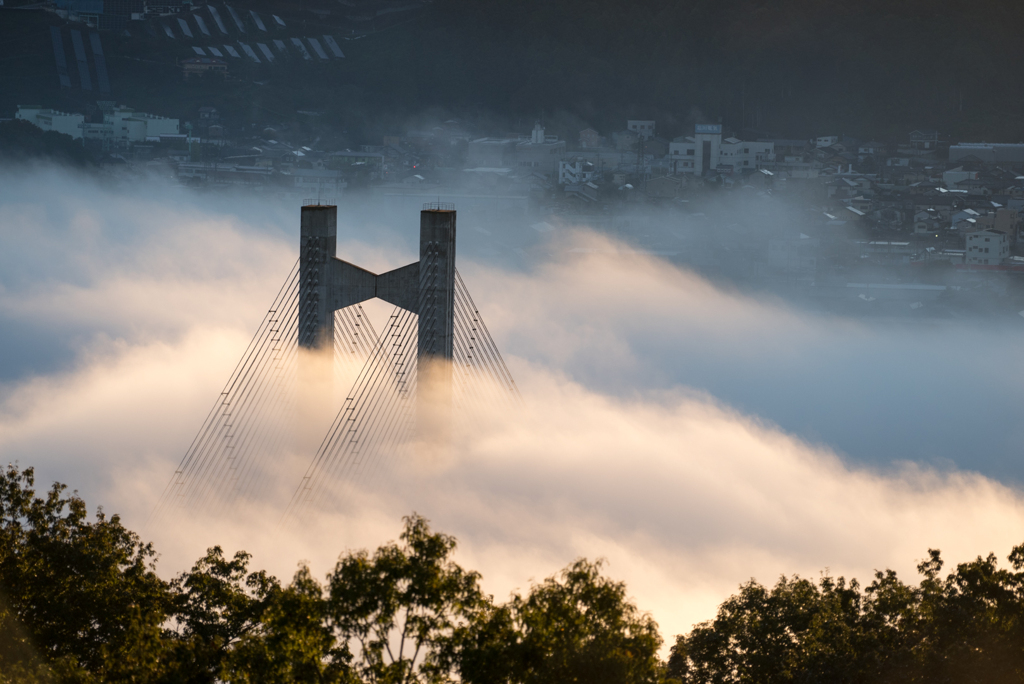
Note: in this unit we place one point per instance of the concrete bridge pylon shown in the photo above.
(425, 288)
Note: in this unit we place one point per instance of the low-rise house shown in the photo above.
(864, 204)
(944, 204)
(927, 221)
(987, 153)
(656, 147)
(225, 174)
(924, 139)
(972, 186)
(493, 153)
(965, 221)
(793, 255)
(871, 149)
(371, 162)
(316, 183)
(664, 187)
(589, 138)
(582, 197)
(625, 140)
(198, 67)
(887, 251)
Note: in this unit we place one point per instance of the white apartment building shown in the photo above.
(705, 151)
(125, 125)
(642, 127)
(120, 125)
(50, 120)
(987, 248)
(539, 153)
(575, 171)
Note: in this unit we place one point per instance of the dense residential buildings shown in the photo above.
(887, 205)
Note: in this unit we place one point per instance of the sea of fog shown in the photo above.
(693, 435)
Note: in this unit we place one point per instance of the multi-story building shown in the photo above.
(989, 153)
(987, 248)
(491, 153)
(50, 120)
(642, 127)
(539, 153)
(105, 14)
(575, 171)
(706, 152)
(123, 125)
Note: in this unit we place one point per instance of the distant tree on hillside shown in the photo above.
(22, 141)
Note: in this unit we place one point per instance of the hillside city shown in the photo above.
(904, 223)
(921, 222)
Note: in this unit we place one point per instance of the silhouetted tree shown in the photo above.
(79, 598)
(577, 626)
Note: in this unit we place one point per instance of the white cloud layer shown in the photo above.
(624, 449)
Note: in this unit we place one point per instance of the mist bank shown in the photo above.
(692, 435)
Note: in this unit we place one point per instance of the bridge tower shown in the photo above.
(425, 287)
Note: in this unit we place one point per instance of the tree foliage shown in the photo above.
(80, 602)
(401, 606)
(575, 627)
(79, 599)
(23, 141)
(966, 627)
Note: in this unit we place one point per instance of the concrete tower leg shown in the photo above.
(318, 242)
(436, 324)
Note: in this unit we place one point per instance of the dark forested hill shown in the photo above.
(795, 68)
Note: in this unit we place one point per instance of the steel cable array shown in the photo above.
(253, 415)
(379, 413)
(374, 417)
